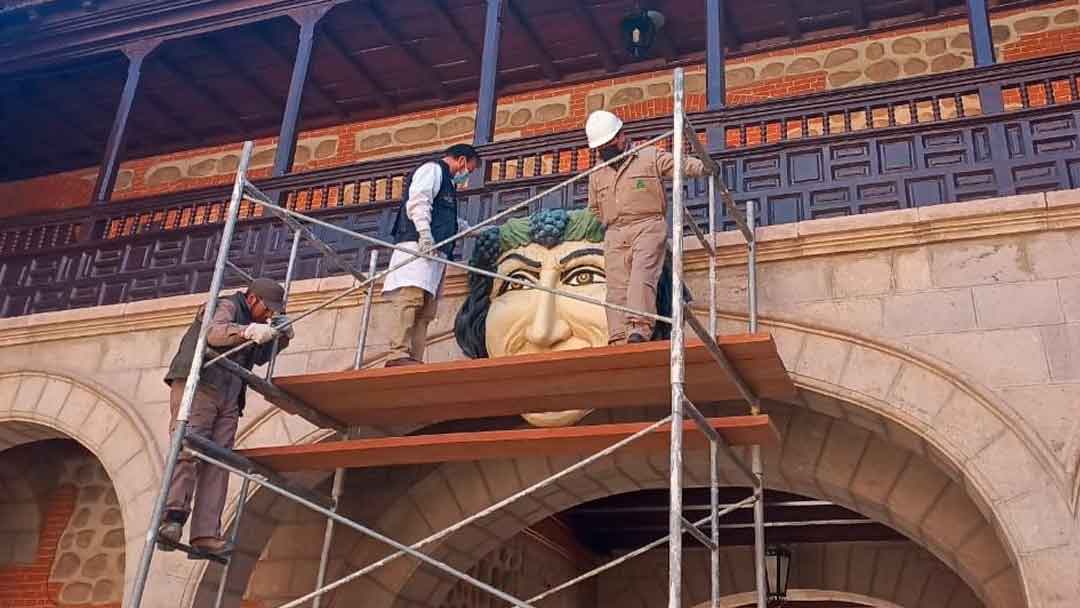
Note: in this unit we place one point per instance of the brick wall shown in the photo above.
(879, 57)
(27, 586)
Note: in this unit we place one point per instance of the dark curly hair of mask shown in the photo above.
(549, 228)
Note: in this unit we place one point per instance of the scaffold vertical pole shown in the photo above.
(713, 321)
(675, 519)
(756, 464)
(714, 450)
(339, 474)
(233, 535)
(289, 272)
(365, 319)
(194, 374)
(328, 535)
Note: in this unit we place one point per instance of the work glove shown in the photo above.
(462, 225)
(282, 325)
(260, 333)
(426, 241)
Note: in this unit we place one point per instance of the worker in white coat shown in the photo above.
(428, 216)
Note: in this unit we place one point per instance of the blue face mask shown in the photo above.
(461, 179)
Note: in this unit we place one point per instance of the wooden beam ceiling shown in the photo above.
(791, 19)
(242, 71)
(533, 39)
(185, 78)
(35, 103)
(731, 33)
(858, 14)
(372, 83)
(431, 78)
(607, 55)
(456, 29)
(317, 87)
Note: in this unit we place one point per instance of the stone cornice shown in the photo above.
(906, 228)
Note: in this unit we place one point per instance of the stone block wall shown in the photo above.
(951, 327)
(880, 57)
(523, 567)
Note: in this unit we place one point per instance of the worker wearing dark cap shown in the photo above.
(218, 404)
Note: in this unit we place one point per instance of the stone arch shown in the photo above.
(909, 400)
(885, 574)
(903, 398)
(102, 423)
(850, 465)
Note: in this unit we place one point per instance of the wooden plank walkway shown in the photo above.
(493, 445)
(633, 375)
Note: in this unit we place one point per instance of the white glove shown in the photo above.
(426, 241)
(260, 333)
(462, 225)
(280, 323)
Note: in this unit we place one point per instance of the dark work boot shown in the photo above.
(170, 532)
(403, 362)
(212, 545)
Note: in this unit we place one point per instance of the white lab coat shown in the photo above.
(422, 273)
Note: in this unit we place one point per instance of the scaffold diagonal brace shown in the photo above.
(327, 511)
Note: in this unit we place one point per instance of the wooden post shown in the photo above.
(287, 135)
(114, 146)
(982, 41)
(715, 56)
(484, 131)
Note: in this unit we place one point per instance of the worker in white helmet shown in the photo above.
(630, 200)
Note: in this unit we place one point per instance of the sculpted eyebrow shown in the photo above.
(580, 253)
(522, 259)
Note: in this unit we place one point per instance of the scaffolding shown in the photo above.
(682, 409)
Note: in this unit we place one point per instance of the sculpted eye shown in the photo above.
(521, 275)
(585, 275)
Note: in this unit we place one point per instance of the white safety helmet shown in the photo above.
(602, 127)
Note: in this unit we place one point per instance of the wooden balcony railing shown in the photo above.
(996, 131)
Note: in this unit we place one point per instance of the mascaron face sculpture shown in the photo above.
(552, 248)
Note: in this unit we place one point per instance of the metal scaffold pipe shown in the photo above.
(445, 532)
(678, 371)
(294, 250)
(192, 382)
(241, 502)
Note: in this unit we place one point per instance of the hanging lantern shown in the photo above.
(639, 32)
(777, 569)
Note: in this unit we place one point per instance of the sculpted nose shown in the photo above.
(547, 327)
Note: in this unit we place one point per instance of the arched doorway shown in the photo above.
(61, 526)
(899, 439)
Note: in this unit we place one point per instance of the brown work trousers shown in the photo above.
(634, 254)
(214, 417)
(414, 309)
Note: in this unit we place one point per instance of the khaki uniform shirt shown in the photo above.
(636, 188)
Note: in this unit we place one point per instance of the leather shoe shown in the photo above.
(170, 531)
(403, 362)
(212, 545)
(636, 339)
